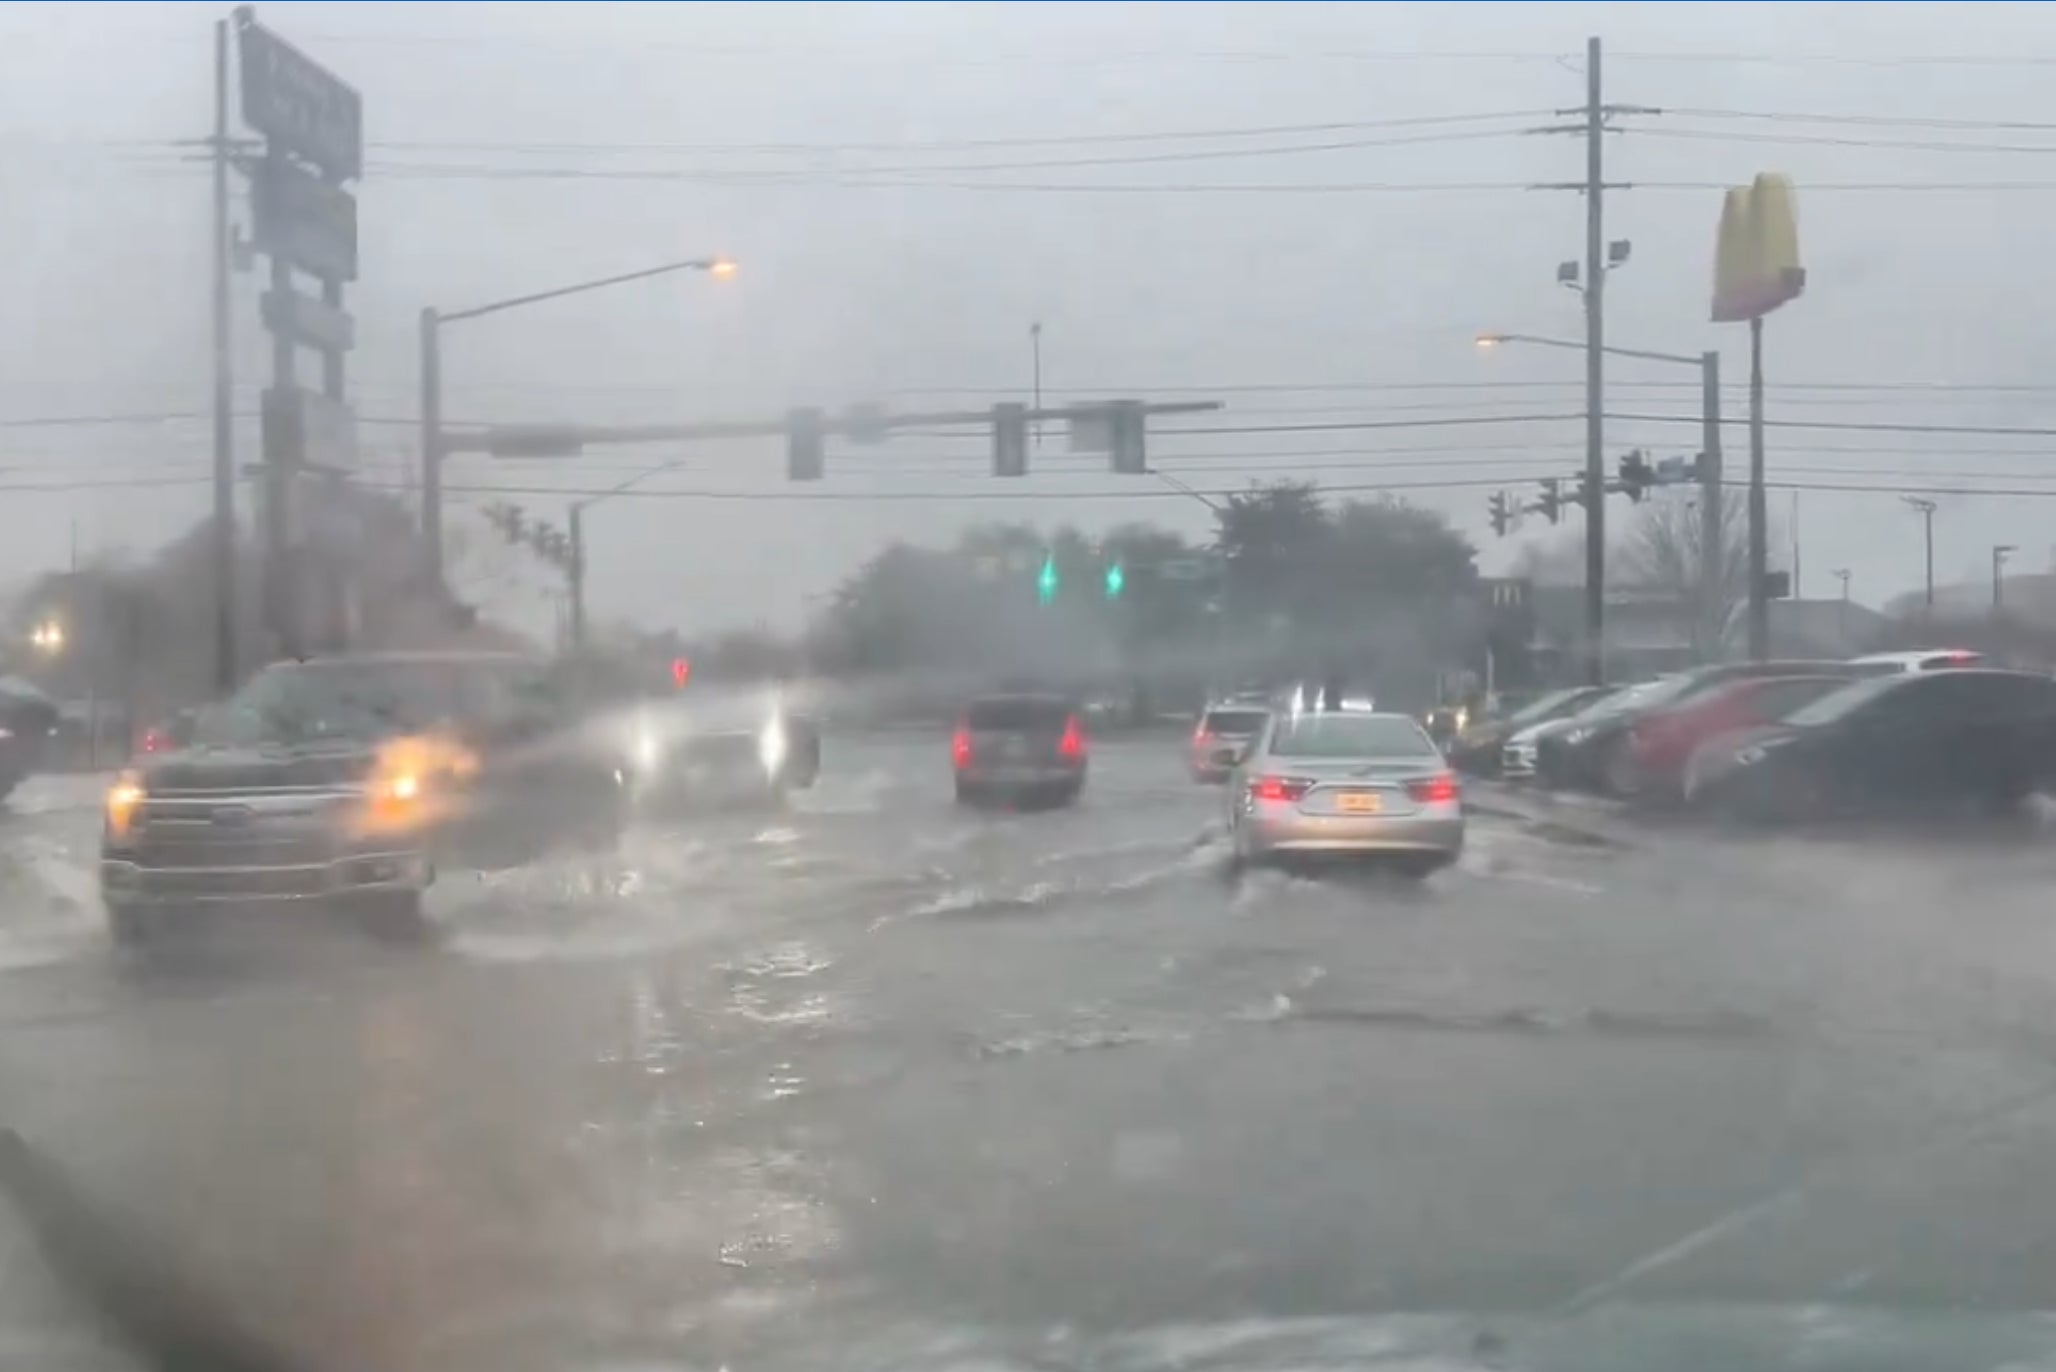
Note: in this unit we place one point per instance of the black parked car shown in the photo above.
(1596, 754)
(1919, 744)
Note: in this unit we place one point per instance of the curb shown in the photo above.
(1549, 818)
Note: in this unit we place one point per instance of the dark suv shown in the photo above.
(1023, 749)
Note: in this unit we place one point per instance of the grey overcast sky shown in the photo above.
(909, 186)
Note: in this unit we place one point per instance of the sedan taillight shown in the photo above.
(1072, 744)
(960, 748)
(1435, 790)
(1279, 788)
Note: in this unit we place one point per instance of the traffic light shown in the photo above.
(803, 445)
(1126, 427)
(1117, 580)
(681, 671)
(1009, 439)
(1046, 583)
(1501, 515)
(1585, 490)
(1636, 477)
(1551, 504)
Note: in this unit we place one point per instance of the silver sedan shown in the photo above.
(1346, 783)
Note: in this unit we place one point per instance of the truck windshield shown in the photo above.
(305, 702)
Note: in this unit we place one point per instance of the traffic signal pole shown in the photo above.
(574, 574)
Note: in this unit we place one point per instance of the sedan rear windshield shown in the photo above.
(1234, 721)
(1339, 735)
(1017, 714)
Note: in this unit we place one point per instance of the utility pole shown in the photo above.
(1712, 534)
(1595, 368)
(432, 448)
(1841, 574)
(224, 396)
(1925, 508)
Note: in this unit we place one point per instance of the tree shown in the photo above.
(1662, 551)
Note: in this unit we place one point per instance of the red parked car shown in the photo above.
(1664, 741)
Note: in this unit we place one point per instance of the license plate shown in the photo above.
(1359, 802)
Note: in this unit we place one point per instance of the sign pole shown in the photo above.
(224, 540)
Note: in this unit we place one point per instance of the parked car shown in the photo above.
(1517, 760)
(1913, 743)
(1478, 746)
(1596, 753)
(1021, 749)
(1662, 741)
(1923, 660)
(1346, 783)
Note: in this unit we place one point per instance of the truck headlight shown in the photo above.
(123, 797)
(771, 747)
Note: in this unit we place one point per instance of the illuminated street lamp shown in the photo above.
(48, 636)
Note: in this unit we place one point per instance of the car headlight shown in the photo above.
(1577, 736)
(123, 798)
(646, 751)
(771, 747)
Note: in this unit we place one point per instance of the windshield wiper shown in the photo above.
(138, 1293)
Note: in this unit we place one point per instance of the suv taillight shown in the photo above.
(1072, 744)
(960, 747)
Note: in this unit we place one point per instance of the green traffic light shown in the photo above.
(1046, 584)
(1116, 580)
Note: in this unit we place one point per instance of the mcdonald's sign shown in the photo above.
(1756, 259)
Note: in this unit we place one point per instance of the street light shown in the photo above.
(48, 636)
(574, 572)
(432, 321)
(1707, 364)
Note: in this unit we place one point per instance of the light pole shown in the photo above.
(1035, 356)
(2000, 551)
(431, 325)
(1711, 534)
(574, 572)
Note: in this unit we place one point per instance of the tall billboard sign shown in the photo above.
(304, 219)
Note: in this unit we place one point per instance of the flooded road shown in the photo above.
(879, 1082)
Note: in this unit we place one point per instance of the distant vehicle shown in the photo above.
(1478, 745)
(1914, 743)
(334, 782)
(1662, 742)
(1922, 660)
(1021, 749)
(1595, 753)
(1223, 733)
(1346, 783)
(672, 764)
(175, 731)
(29, 723)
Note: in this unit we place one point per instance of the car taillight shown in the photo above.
(1202, 737)
(1435, 790)
(960, 747)
(1279, 788)
(153, 740)
(1072, 744)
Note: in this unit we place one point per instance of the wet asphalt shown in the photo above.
(882, 1083)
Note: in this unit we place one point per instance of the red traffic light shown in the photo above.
(681, 671)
